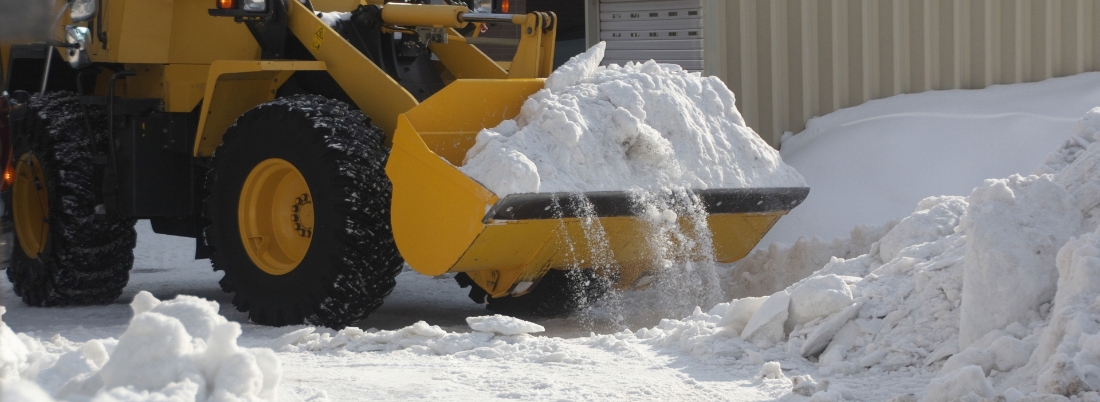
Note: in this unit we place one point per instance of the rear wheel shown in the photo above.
(560, 292)
(64, 254)
(299, 212)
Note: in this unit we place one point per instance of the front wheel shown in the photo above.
(64, 253)
(299, 212)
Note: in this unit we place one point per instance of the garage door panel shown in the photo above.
(650, 44)
(668, 31)
(611, 36)
(656, 54)
(618, 6)
(653, 24)
(651, 15)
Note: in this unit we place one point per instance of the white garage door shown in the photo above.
(669, 31)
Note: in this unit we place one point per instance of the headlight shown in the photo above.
(256, 6)
(82, 10)
(483, 6)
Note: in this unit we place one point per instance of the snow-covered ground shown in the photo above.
(886, 322)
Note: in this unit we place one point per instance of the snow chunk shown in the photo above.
(13, 353)
(577, 68)
(928, 223)
(969, 357)
(772, 371)
(818, 340)
(1014, 228)
(817, 297)
(331, 19)
(504, 325)
(737, 315)
(1010, 353)
(805, 385)
(766, 325)
(960, 383)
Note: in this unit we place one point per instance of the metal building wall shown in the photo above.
(790, 60)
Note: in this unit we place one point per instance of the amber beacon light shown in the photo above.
(227, 4)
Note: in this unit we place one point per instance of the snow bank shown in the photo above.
(869, 164)
(179, 349)
(648, 126)
(997, 293)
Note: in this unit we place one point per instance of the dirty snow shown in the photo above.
(642, 126)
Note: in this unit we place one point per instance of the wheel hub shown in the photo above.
(30, 205)
(275, 216)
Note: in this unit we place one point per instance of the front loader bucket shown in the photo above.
(444, 221)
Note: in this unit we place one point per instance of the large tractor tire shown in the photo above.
(560, 292)
(63, 253)
(299, 209)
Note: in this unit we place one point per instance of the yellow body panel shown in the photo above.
(167, 31)
(430, 141)
(236, 86)
(464, 60)
(535, 54)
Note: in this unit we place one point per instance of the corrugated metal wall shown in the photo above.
(790, 60)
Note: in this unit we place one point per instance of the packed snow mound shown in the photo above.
(504, 325)
(488, 341)
(997, 294)
(178, 350)
(648, 126)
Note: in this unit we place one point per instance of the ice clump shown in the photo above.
(179, 349)
(648, 126)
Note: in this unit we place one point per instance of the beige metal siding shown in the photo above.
(790, 60)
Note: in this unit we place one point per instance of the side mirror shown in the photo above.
(82, 10)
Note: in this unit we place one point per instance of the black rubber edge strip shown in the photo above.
(517, 207)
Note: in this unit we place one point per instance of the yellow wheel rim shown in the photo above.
(275, 216)
(30, 204)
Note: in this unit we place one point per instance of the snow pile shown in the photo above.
(179, 349)
(766, 271)
(997, 292)
(648, 126)
(494, 337)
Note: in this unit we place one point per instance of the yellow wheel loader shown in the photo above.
(310, 147)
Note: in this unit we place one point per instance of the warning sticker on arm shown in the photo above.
(318, 38)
